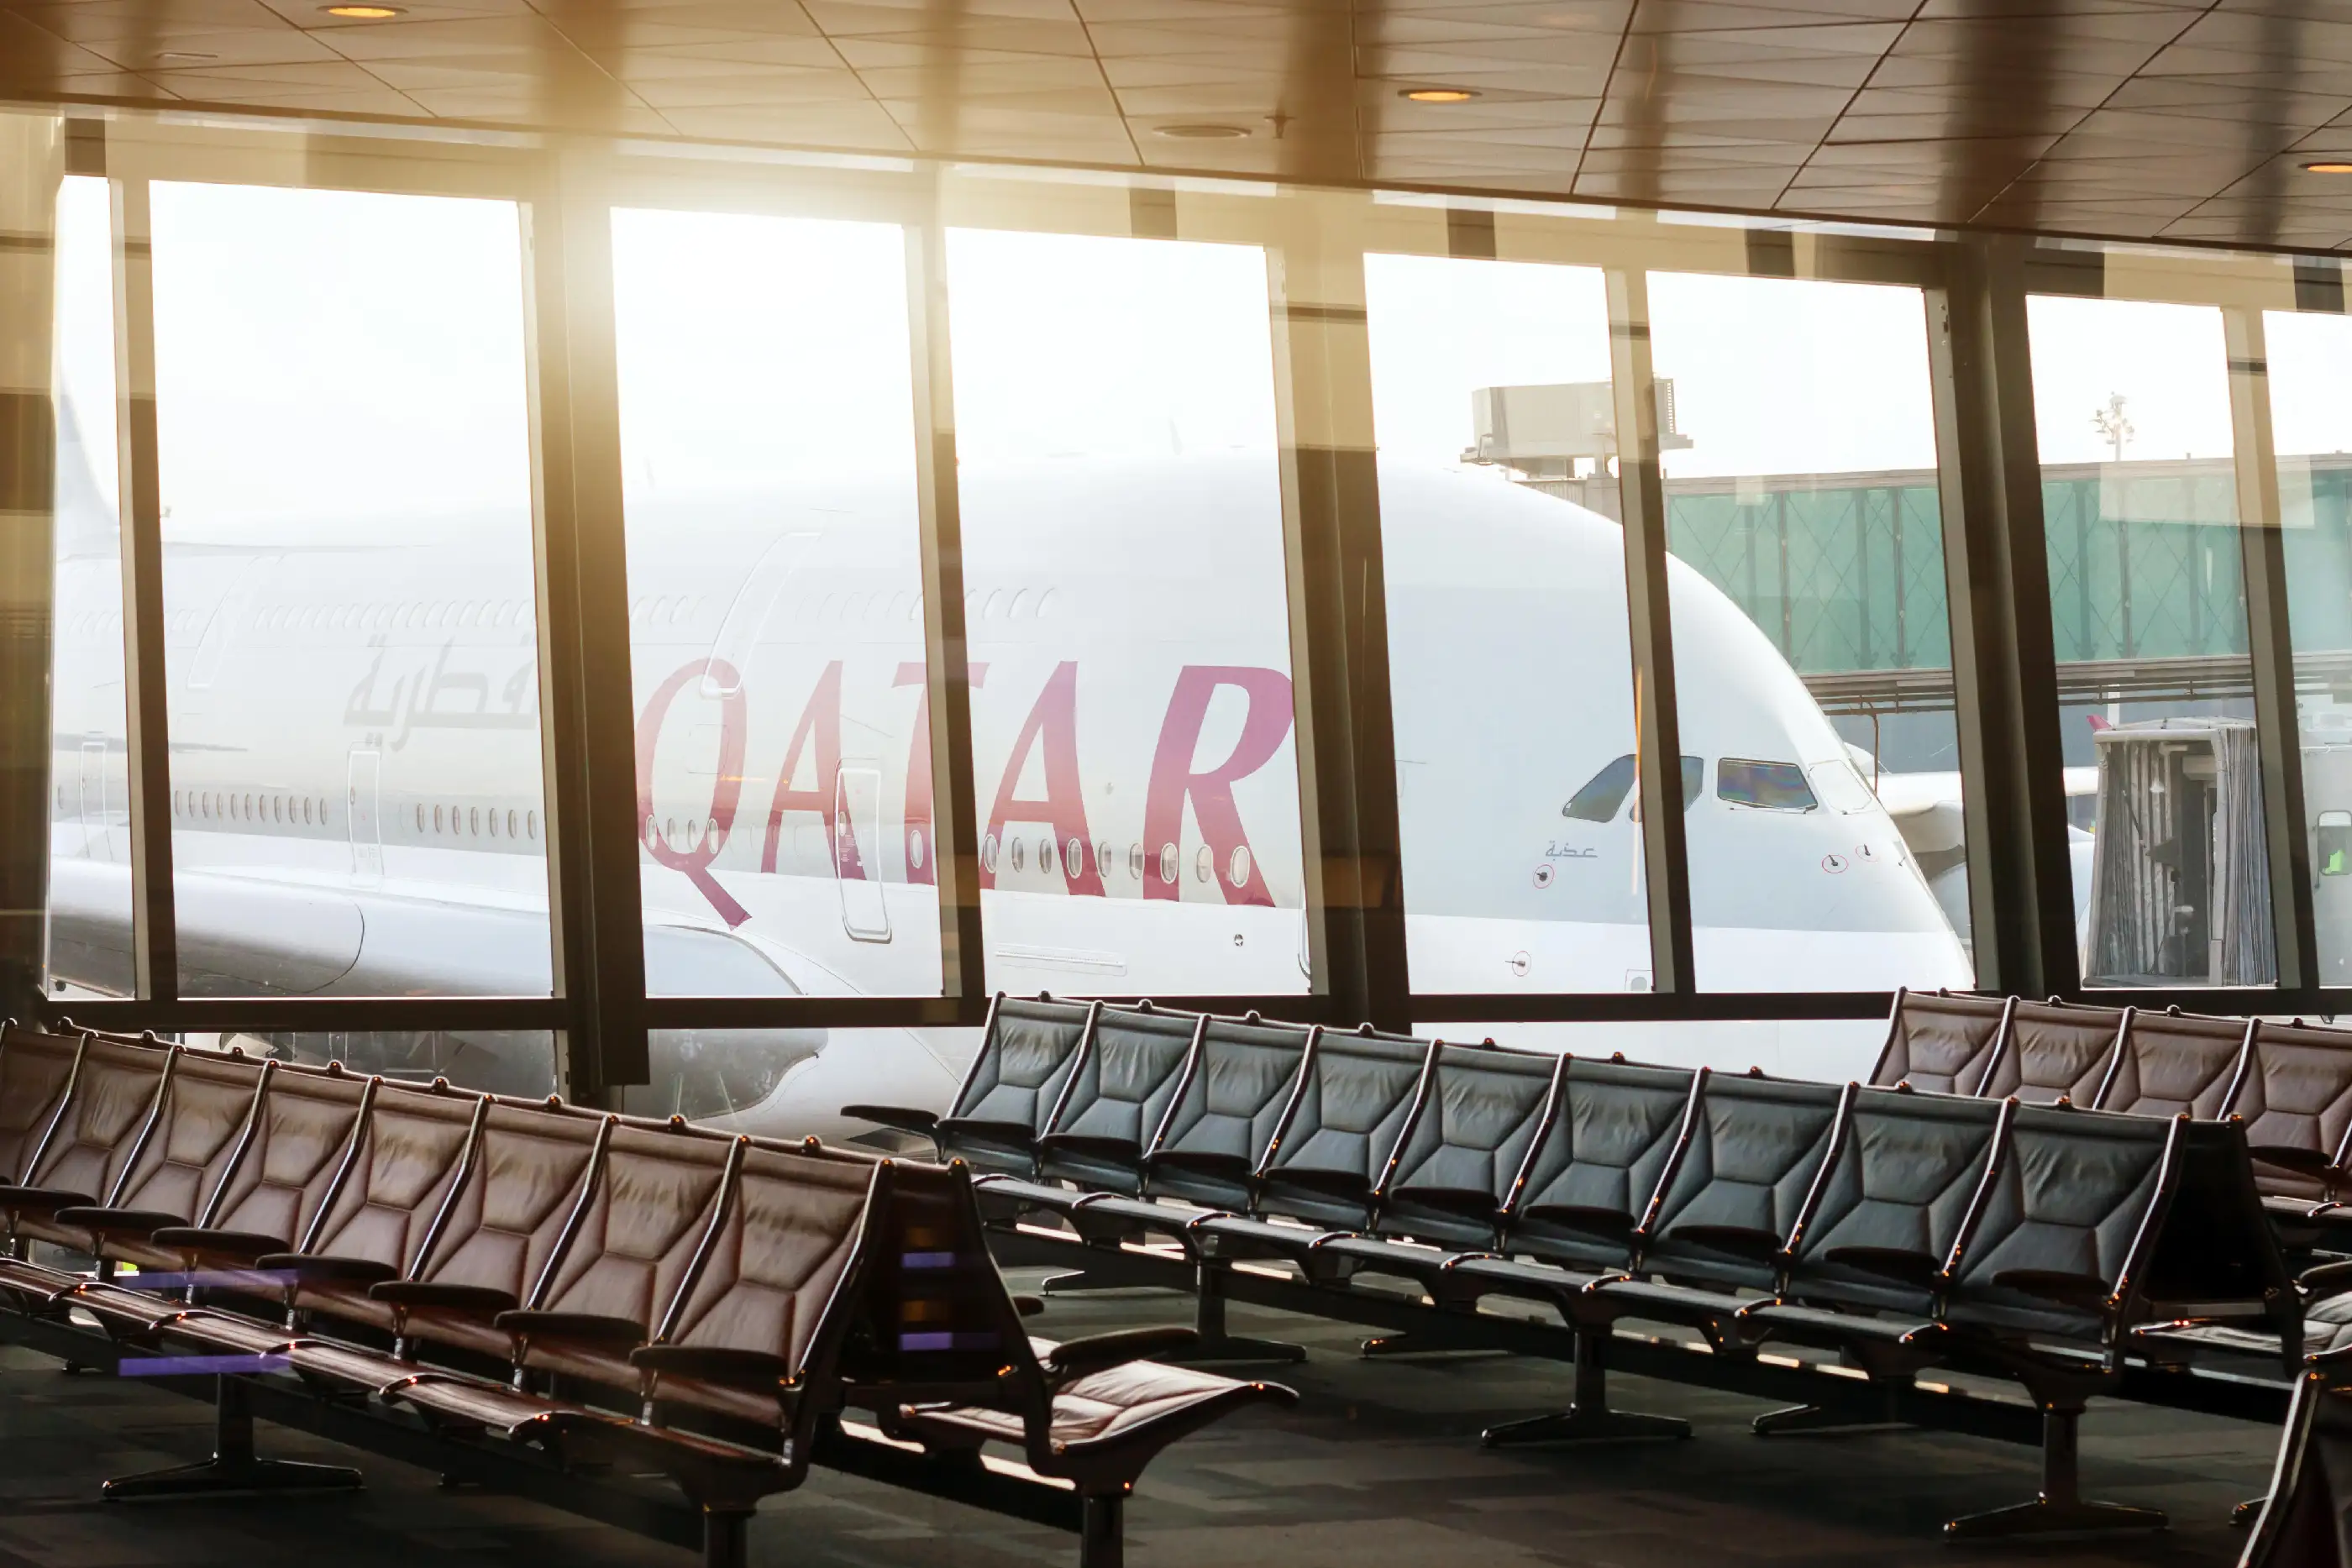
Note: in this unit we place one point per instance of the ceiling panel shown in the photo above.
(2186, 119)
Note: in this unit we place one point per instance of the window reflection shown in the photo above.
(343, 434)
(90, 829)
(1810, 633)
(1130, 659)
(2148, 612)
(1509, 682)
(783, 747)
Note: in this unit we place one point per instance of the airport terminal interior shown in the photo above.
(1310, 783)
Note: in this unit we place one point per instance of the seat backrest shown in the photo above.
(2070, 1193)
(410, 1152)
(522, 1185)
(2052, 1049)
(1939, 1043)
(1889, 1208)
(300, 1143)
(652, 1198)
(1124, 1081)
(1344, 1123)
(2296, 1097)
(1592, 1176)
(115, 1092)
(35, 1069)
(2172, 1062)
(1227, 1109)
(196, 1135)
(1028, 1053)
(1467, 1143)
(772, 1273)
(1740, 1180)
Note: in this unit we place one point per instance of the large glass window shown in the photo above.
(344, 452)
(1136, 784)
(2148, 610)
(1812, 651)
(2310, 359)
(1507, 654)
(89, 831)
(775, 628)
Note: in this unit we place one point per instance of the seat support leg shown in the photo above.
(725, 1539)
(1102, 1531)
(1830, 1420)
(1411, 1344)
(2059, 1508)
(1078, 1281)
(1588, 1419)
(233, 1469)
(1215, 1343)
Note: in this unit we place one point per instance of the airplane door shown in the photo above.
(96, 843)
(856, 851)
(360, 811)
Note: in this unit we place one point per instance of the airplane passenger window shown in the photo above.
(1768, 786)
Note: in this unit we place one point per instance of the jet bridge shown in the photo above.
(2181, 872)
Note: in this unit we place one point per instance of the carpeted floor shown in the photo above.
(1378, 1468)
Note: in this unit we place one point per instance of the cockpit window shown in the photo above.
(1599, 800)
(1767, 786)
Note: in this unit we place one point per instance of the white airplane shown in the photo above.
(357, 806)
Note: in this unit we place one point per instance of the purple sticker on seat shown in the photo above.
(932, 1342)
(927, 1261)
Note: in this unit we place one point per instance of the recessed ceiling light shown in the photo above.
(2330, 166)
(1201, 132)
(181, 56)
(1439, 94)
(363, 12)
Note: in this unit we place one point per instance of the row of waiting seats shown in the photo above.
(602, 1291)
(2289, 1083)
(1892, 1227)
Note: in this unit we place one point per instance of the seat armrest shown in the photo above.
(594, 1328)
(1202, 1162)
(2287, 1157)
(1887, 1262)
(1739, 1241)
(43, 1199)
(117, 1221)
(1125, 1149)
(322, 1268)
(2083, 1290)
(432, 1293)
(986, 1128)
(2326, 1279)
(1614, 1223)
(902, 1118)
(1077, 1358)
(1326, 1183)
(712, 1363)
(246, 1244)
(1468, 1202)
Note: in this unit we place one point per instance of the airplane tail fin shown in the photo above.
(87, 524)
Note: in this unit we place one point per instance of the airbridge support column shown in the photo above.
(1339, 612)
(31, 164)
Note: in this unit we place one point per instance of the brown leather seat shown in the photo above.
(83, 1154)
(36, 1070)
(2172, 1064)
(493, 1244)
(182, 1158)
(2296, 1097)
(2053, 1050)
(410, 1151)
(1941, 1043)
